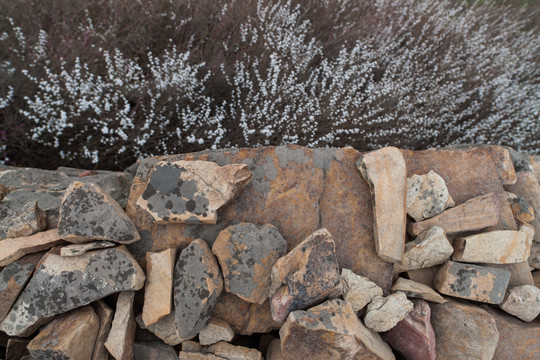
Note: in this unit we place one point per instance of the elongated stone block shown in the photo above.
(122, 334)
(16, 248)
(497, 247)
(105, 315)
(417, 290)
(158, 299)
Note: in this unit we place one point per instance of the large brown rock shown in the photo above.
(24, 221)
(385, 171)
(330, 330)
(158, 299)
(122, 333)
(528, 188)
(14, 249)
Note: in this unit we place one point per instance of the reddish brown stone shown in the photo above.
(528, 188)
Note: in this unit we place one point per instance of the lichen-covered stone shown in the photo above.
(79, 249)
(71, 282)
(310, 273)
(246, 253)
(158, 301)
(358, 290)
(122, 333)
(69, 336)
(105, 315)
(215, 331)
(191, 191)
(528, 188)
(472, 282)
(520, 273)
(15, 248)
(165, 329)
(197, 285)
(521, 209)
(153, 351)
(24, 221)
(523, 302)
(89, 213)
(48, 201)
(417, 290)
(386, 173)
(330, 330)
(383, 313)
(427, 196)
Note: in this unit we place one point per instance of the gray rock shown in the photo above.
(153, 351)
(49, 201)
(427, 196)
(24, 221)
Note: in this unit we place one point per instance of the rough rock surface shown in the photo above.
(215, 331)
(385, 171)
(69, 336)
(122, 333)
(153, 351)
(88, 213)
(158, 289)
(48, 201)
(79, 249)
(521, 209)
(330, 330)
(3, 192)
(191, 191)
(534, 258)
(184, 355)
(424, 276)
(71, 283)
(15, 248)
(414, 336)
(16, 348)
(246, 253)
(383, 313)
(528, 188)
(310, 273)
(463, 332)
(197, 285)
(417, 290)
(427, 196)
(165, 329)
(274, 351)
(24, 221)
(520, 273)
(472, 282)
(105, 315)
(523, 302)
(358, 290)
(231, 352)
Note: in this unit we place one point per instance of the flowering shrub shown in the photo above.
(99, 81)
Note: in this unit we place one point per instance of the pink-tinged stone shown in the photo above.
(528, 188)
(413, 336)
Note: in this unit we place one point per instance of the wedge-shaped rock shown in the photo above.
(430, 248)
(16, 248)
(69, 336)
(417, 290)
(215, 331)
(472, 282)
(191, 191)
(159, 285)
(197, 285)
(476, 214)
(246, 253)
(16, 348)
(153, 351)
(413, 336)
(71, 282)
(534, 258)
(24, 221)
(358, 290)
(383, 313)
(521, 209)
(228, 351)
(385, 171)
(105, 315)
(463, 332)
(528, 188)
(520, 273)
(330, 330)
(310, 272)
(427, 196)
(522, 302)
(496, 247)
(79, 249)
(89, 213)
(122, 334)
(165, 329)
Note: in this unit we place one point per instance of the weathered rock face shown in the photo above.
(79, 249)
(71, 283)
(358, 291)
(523, 302)
(197, 285)
(417, 290)
(521, 209)
(385, 171)
(383, 313)
(153, 351)
(227, 351)
(159, 286)
(105, 316)
(16, 248)
(70, 336)
(165, 329)
(528, 188)
(534, 257)
(89, 213)
(191, 191)
(24, 221)
(330, 331)
(3, 192)
(122, 334)
(246, 253)
(215, 331)
(427, 196)
(520, 273)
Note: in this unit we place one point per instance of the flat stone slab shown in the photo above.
(417, 290)
(495, 247)
(528, 188)
(22, 221)
(105, 315)
(158, 299)
(79, 249)
(228, 351)
(523, 302)
(121, 336)
(14, 249)
(48, 201)
(191, 191)
(386, 173)
(71, 283)
(427, 196)
(472, 282)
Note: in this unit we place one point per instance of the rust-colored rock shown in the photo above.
(122, 334)
(528, 188)
(385, 171)
(521, 209)
(105, 315)
(16, 248)
(417, 290)
(3, 191)
(159, 285)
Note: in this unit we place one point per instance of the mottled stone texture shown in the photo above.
(89, 213)
(520, 273)
(385, 171)
(158, 301)
(122, 334)
(71, 282)
(427, 196)
(330, 330)
(197, 285)
(496, 247)
(191, 192)
(22, 221)
(383, 313)
(528, 188)
(246, 253)
(521, 209)
(358, 291)
(472, 282)
(16, 248)
(79, 249)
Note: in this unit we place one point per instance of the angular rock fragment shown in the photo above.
(528, 188)
(71, 283)
(197, 286)
(79, 249)
(15, 248)
(89, 213)
(506, 216)
(69, 336)
(231, 352)
(496, 247)
(417, 290)
(122, 334)
(472, 282)
(427, 196)
(430, 248)
(215, 331)
(330, 330)
(16, 348)
(191, 191)
(358, 290)
(383, 313)
(523, 302)
(159, 285)
(385, 171)
(165, 329)
(24, 221)
(413, 336)
(48, 201)
(191, 346)
(246, 253)
(476, 214)
(274, 351)
(520, 274)
(424, 276)
(310, 272)
(105, 316)
(521, 210)
(534, 258)
(463, 331)
(153, 351)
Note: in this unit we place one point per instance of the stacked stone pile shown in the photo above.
(275, 253)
